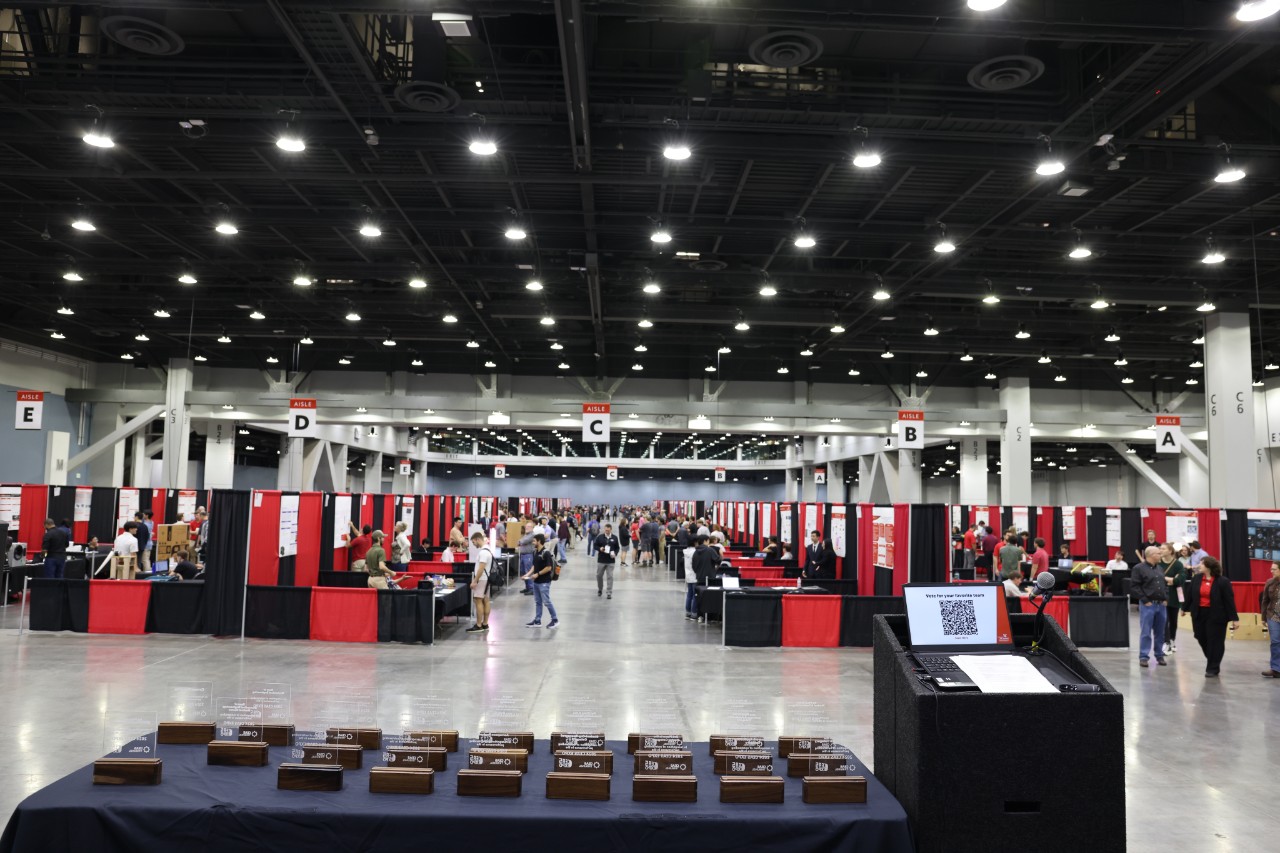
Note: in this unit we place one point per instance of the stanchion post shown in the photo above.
(248, 545)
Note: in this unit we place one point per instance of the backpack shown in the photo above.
(494, 576)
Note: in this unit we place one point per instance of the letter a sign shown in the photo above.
(1168, 434)
(302, 418)
(595, 423)
(910, 429)
(30, 410)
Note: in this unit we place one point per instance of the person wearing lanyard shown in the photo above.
(1212, 604)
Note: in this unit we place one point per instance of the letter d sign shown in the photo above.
(302, 418)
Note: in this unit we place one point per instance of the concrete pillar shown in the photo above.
(865, 465)
(338, 468)
(177, 426)
(792, 491)
(1015, 442)
(373, 473)
(1233, 469)
(220, 455)
(420, 478)
(57, 450)
(1193, 481)
(808, 486)
(910, 479)
(313, 457)
(141, 478)
(973, 471)
(835, 483)
(289, 472)
(107, 469)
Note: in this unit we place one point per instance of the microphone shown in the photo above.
(1044, 582)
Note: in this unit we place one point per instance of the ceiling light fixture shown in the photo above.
(1192, 381)
(930, 330)
(56, 335)
(677, 152)
(1126, 380)
(966, 356)
(802, 239)
(783, 369)
(1198, 339)
(1044, 357)
(943, 246)
(302, 280)
(1258, 383)
(306, 339)
(881, 292)
(640, 347)
(1120, 361)
(416, 362)
(807, 351)
(564, 365)
(1228, 171)
(1256, 10)
(865, 157)
(533, 284)
(368, 229)
(201, 358)
(556, 345)
(547, 320)
(141, 336)
(483, 147)
(472, 343)
(80, 223)
(256, 314)
(725, 349)
(418, 283)
(742, 325)
(490, 363)
(1271, 364)
(1112, 336)
(922, 373)
(1196, 364)
(710, 368)
(991, 298)
(227, 228)
(990, 376)
(344, 360)
(95, 135)
(888, 353)
(271, 359)
(1049, 163)
(645, 323)
(388, 341)
(224, 338)
(1212, 254)
(1060, 378)
(449, 318)
(985, 5)
(660, 233)
(1206, 306)
(72, 275)
(127, 356)
(637, 366)
(161, 312)
(1022, 334)
(1080, 251)
(352, 315)
(768, 289)
(853, 371)
(652, 287)
(186, 278)
(837, 328)
(515, 233)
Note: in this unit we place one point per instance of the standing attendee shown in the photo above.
(1011, 556)
(144, 542)
(375, 561)
(194, 524)
(202, 536)
(565, 536)
(457, 538)
(54, 547)
(624, 541)
(1269, 607)
(126, 544)
(1039, 559)
(401, 547)
(826, 567)
(691, 579)
(542, 574)
(1175, 575)
(1151, 591)
(989, 543)
(150, 521)
(480, 585)
(1196, 554)
(970, 544)
(606, 552)
(593, 530)
(358, 544)
(65, 526)
(704, 565)
(1212, 603)
(1141, 551)
(812, 554)
(524, 548)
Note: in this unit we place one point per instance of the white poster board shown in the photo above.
(187, 504)
(1182, 525)
(1113, 528)
(341, 515)
(1069, 523)
(288, 525)
(838, 530)
(10, 505)
(882, 536)
(1264, 535)
(128, 504)
(766, 520)
(406, 514)
(84, 500)
(784, 525)
(1021, 519)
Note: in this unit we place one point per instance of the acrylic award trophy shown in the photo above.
(499, 753)
(239, 734)
(188, 717)
(663, 763)
(582, 764)
(129, 746)
(275, 700)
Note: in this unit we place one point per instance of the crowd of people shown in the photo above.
(136, 540)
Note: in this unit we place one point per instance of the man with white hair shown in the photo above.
(1148, 585)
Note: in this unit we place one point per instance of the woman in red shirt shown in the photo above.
(1212, 604)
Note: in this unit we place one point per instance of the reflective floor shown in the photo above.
(1201, 760)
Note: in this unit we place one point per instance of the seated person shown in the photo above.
(1013, 585)
(786, 552)
(181, 567)
(1118, 564)
(773, 552)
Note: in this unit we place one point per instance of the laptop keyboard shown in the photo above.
(938, 664)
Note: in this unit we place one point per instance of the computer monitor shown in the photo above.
(957, 617)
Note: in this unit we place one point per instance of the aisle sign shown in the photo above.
(720, 474)
(595, 423)
(302, 418)
(288, 525)
(29, 411)
(499, 471)
(84, 498)
(820, 476)
(406, 468)
(611, 473)
(910, 429)
(1168, 434)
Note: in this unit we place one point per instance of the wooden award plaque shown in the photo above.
(752, 789)
(309, 777)
(505, 740)
(448, 739)
(586, 761)
(788, 744)
(189, 733)
(127, 771)
(430, 757)
(401, 780)
(743, 764)
(561, 741)
(820, 764)
(498, 759)
(835, 789)
(736, 743)
(638, 741)
(663, 763)
(237, 753)
(278, 734)
(577, 786)
(349, 757)
(489, 783)
(664, 789)
(365, 738)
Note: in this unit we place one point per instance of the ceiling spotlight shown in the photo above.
(966, 356)
(640, 347)
(637, 366)
(1080, 251)
(82, 224)
(1022, 334)
(645, 323)
(1196, 364)
(95, 135)
(1126, 380)
(1212, 255)
(556, 345)
(352, 315)
(807, 351)
(224, 338)
(256, 314)
(490, 363)
(291, 142)
(161, 312)
(888, 353)
(271, 359)
(388, 341)
(1206, 306)
(865, 157)
(449, 318)
(186, 278)
(660, 234)
(652, 287)
(127, 356)
(742, 325)
(72, 275)
(302, 280)
(677, 152)
(483, 147)
(985, 5)
(56, 335)
(1099, 304)
(1120, 361)
(548, 320)
(767, 289)
(853, 371)
(991, 298)
(1256, 10)
(1044, 357)
(783, 369)
(930, 330)
(141, 336)
(803, 239)
(881, 292)
(1060, 378)
(418, 282)
(1112, 337)
(943, 246)
(368, 229)
(515, 233)
(837, 328)
(472, 343)
(201, 358)
(227, 228)
(564, 365)
(1228, 172)
(990, 375)
(922, 373)
(1049, 164)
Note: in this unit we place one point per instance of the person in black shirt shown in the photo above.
(542, 573)
(55, 550)
(144, 543)
(706, 561)
(181, 566)
(607, 548)
(773, 552)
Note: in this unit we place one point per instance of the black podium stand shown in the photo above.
(1000, 772)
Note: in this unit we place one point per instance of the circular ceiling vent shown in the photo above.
(785, 49)
(708, 265)
(1005, 73)
(142, 35)
(425, 96)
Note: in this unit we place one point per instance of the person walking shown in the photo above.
(564, 536)
(144, 543)
(542, 574)
(1269, 607)
(1212, 603)
(1175, 575)
(606, 552)
(970, 546)
(480, 584)
(524, 547)
(1149, 586)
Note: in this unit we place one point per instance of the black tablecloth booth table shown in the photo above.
(970, 780)
(199, 807)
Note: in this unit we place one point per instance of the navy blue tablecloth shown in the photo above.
(234, 809)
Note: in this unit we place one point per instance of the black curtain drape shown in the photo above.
(1057, 534)
(851, 542)
(379, 503)
(1235, 545)
(1095, 527)
(1006, 520)
(962, 516)
(225, 561)
(929, 544)
(326, 530)
(102, 514)
(1032, 518)
(62, 504)
(288, 566)
(1130, 531)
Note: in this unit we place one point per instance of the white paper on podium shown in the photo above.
(1003, 674)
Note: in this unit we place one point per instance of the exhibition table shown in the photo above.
(1059, 607)
(199, 807)
(1099, 621)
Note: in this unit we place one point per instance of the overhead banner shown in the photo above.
(1182, 525)
(882, 536)
(595, 424)
(341, 515)
(910, 429)
(720, 473)
(499, 471)
(84, 497)
(820, 476)
(1069, 523)
(302, 418)
(30, 410)
(837, 530)
(1168, 434)
(288, 525)
(1113, 527)
(611, 473)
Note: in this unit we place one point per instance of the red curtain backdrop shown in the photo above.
(264, 539)
(1156, 519)
(35, 508)
(811, 621)
(1079, 545)
(1210, 523)
(306, 566)
(344, 615)
(157, 505)
(1045, 531)
(118, 607)
(366, 509)
(1058, 608)
(901, 546)
(989, 514)
(866, 551)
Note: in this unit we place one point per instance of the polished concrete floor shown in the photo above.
(1201, 759)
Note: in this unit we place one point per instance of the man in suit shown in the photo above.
(813, 555)
(607, 548)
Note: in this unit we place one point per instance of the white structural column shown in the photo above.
(373, 474)
(808, 486)
(866, 473)
(107, 469)
(57, 450)
(1193, 480)
(1015, 442)
(220, 455)
(1233, 467)
(141, 478)
(835, 483)
(973, 471)
(177, 426)
(910, 481)
(290, 473)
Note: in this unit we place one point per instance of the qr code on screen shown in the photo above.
(958, 618)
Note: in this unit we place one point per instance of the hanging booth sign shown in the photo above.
(302, 418)
(910, 429)
(30, 410)
(595, 423)
(720, 473)
(406, 468)
(1168, 434)
(882, 536)
(499, 471)
(611, 473)
(820, 476)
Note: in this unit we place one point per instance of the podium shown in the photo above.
(989, 772)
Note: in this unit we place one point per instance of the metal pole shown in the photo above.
(22, 612)
(244, 598)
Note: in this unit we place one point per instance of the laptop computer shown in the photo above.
(948, 619)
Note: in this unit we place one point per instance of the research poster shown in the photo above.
(341, 515)
(1069, 523)
(128, 505)
(10, 505)
(84, 501)
(1113, 527)
(838, 530)
(187, 504)
(288, 525)
(882, 536)
(1182, 525)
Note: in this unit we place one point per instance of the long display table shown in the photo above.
(199, 807)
